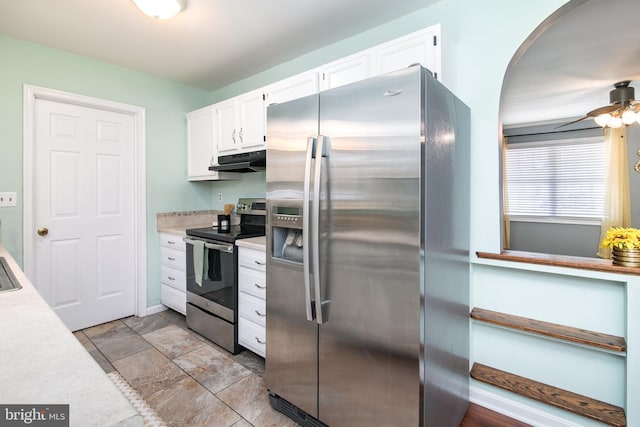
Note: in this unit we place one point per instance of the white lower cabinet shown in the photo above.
(252, 310)
(173, 280)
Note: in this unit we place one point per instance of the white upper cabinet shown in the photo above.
(226, 126)
(253, 118)
(240, 123)
(346, 70)
(201, 146)
(422, 47)
(293, 88)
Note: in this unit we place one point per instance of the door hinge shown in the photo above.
(435, 40)
(264, 96)
(264, 138)
(435, 75)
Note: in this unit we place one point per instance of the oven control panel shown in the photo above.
(252, 206)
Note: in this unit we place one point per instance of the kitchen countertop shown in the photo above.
(181, 230)
(259, 243)
(41, 362)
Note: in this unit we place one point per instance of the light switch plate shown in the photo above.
(8, 199)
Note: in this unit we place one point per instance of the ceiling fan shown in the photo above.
(623, 110)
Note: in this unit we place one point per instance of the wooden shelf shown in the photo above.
(564, 399)
(593, 264)
(479, 416)
(566, 333)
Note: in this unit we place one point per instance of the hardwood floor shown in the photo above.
(477, 416)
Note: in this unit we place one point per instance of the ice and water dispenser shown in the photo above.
(286, 228)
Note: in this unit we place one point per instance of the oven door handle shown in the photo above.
(219, 247)
(213, 246)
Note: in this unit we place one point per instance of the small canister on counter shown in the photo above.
(224, 223)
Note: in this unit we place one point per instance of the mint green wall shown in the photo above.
(165, 103)
(252, 185)
(479, 41)
(480, 37)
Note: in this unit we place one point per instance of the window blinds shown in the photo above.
(561, 178)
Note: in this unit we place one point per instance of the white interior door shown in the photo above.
(83, 195)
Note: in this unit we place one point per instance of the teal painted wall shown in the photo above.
(165, 103)
(479, 39)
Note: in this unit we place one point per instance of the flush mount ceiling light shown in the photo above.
(160, 9)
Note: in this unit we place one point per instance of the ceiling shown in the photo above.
(570, 69)
(210, 44)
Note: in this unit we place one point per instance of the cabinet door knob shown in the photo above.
(43, 231)
(240, 134)
(258, 286)
(233, 136)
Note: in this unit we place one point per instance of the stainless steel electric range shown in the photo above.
(212, 274)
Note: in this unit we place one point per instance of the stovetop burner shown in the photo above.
(236, 232)
(252, 223)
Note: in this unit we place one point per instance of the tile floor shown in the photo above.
(185, 378)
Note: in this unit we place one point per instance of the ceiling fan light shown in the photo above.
(160, 9)
(602, 119)
(615, 122)
(628, 117)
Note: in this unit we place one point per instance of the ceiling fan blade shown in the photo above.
(604, 110)
(570, 123)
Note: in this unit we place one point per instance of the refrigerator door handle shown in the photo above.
(320, 153)
(311, 143)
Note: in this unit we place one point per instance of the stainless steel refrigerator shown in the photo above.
(368, 254)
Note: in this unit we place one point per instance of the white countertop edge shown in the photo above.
(43, 363)
(258, 243)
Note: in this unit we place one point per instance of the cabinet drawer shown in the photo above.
(173, 258)
(172, 241)
(252, 308)
(252, 336)
(175, 278)
(173, 298)
(252, 258)
(252, 282)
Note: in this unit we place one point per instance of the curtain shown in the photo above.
(617, 206)
(506, 243)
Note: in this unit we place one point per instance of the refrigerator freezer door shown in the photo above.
(370, 265)
(291, 351)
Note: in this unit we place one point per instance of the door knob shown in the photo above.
(43, 231)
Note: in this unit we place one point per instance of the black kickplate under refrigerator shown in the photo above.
(293, 412)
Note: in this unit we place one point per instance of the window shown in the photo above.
(562, 179)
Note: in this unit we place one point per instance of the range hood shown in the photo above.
(253, 161)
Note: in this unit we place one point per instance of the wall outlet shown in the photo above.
(8, 199)
(219, 197)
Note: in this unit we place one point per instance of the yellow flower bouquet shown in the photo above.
(621, 238)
